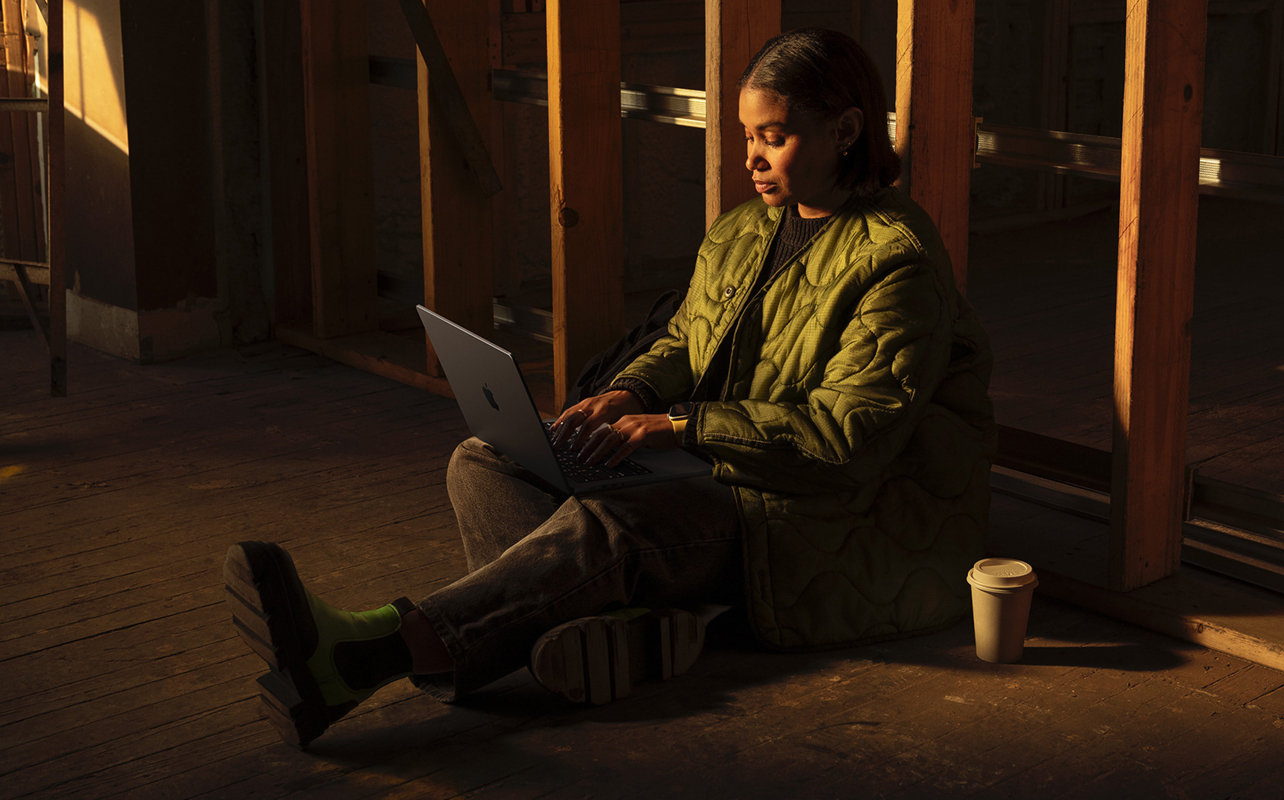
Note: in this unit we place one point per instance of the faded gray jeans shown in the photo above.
(538, 558)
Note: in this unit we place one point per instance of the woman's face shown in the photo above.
(794, 159)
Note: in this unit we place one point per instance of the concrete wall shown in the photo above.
(100, 241)
(165, 235)
(143, 192)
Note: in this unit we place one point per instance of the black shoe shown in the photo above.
(324, 661)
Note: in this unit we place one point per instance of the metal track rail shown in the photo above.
(1227, 173)
(663, 104)
(1221, 172)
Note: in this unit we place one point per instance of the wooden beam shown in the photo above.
(456, 211)
(33, 19)
(503, 120)
(8, 179)
(934, 129)
(33, 271)
(21, 241)
(455, 108)
(734, 30)
(336, 82)
(27, 294)
(55, 161)
(585, 183)
(35, 132)
(281, 107)
(1159, 201)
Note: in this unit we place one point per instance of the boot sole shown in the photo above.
(270, 610)
(599, 659)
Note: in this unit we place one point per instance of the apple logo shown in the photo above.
(490, 398)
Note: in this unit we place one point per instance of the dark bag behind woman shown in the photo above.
(602, 368)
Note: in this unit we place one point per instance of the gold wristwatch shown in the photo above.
(679, 413)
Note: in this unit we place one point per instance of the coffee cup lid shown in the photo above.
(1001, 573)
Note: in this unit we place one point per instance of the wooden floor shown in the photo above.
(122, 676)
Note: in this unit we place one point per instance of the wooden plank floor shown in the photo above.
(1047, 297)
(122, 677)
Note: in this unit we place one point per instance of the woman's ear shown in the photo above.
(850, 123)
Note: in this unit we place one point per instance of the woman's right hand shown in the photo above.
(578, 422)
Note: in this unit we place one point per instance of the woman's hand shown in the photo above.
(616, 442)
(581, 420)
(611, 426)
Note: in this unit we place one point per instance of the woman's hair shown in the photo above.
(823, 73)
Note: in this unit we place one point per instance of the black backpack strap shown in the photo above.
(601, 369)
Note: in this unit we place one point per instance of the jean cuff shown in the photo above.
(440, 685)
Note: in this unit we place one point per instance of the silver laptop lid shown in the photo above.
(493, 396)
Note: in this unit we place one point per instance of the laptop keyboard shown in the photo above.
(588, 473)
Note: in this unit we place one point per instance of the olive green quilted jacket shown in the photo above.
(855, 424)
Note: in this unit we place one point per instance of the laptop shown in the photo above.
(498, 408)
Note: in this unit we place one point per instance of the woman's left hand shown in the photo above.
(577, 423)
(616, 442)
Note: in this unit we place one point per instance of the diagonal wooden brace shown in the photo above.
(16, 271)
(445, 88)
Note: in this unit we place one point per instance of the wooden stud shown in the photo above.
(18, 145)
(585, 183)
(507, 272)
(281, 107)
(455, 108)
(26, 293)
(35, 130)
(734, 32)
(8, 180)
(336, 81)
(457, 231)
(935, 135)
(36, 272)
(1159, 201)
(55, 162)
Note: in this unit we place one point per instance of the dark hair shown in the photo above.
(823, 73)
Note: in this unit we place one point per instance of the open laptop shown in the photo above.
(497, 405)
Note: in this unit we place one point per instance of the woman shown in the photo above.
(822, 361)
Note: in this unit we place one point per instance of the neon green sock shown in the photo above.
(357, 652)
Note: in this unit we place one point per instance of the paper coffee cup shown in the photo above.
(1001, 592)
